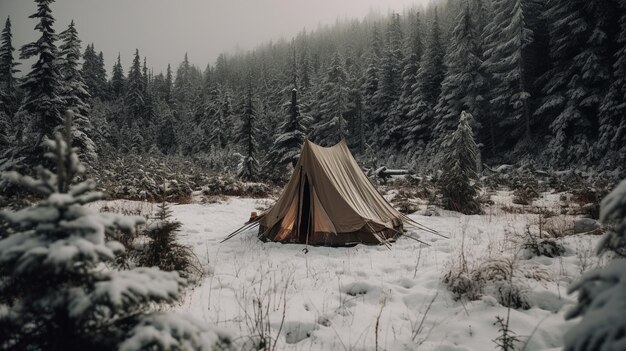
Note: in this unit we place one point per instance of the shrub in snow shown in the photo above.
(56, 292)
(163, 251)
(459, 169)
(602, 293)
(537, 245)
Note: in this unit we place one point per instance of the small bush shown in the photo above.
(404, 201)
(537, 245)
(163, 250)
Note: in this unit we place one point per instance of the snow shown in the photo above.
(331, 297)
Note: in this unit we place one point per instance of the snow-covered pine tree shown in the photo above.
(462, 87)
(94, 72)
(288, 143)
(5, 137)
(371, 104)
(165, 134)
(329, 125)
(163, 250)
(168, 84)
(577, 82)
(506, 38)
(612, 124)
(226, 118)
(74, 93)
(8, 82)
(426, 90)
(602, 292)
(135, 99)
(398, 132)
(354, 101)
(42, 83)
(55, 293)
(101, 77)
(459, 169)
(249, 167)
(390, 75)
(117, 79)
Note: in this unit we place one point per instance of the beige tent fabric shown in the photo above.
(344, 207)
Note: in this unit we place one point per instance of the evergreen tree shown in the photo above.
(168, 84)
(101, 76)
(58, 297)
(74, 93)
(330, 125)
(8, 69)
(602, 291)
(165, 128)
(117, 79)
(462, 86)
(398, 131)
(247, 136)
(5, 138)
(426, 91)
(135, 99)
(459, 169)
(288, 143)
(94, 72)
(41, 85)
(371, 99)
(612, 124)
(508, 36)
(390, 83)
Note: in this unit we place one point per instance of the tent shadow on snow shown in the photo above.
(330, 201)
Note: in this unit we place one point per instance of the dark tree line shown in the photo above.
(543, 79)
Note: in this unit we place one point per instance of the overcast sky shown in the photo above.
(163, 30)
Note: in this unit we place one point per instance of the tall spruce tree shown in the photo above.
(74, 93)
(8, 85)
(581, 50)
(462, 87)
(508, 36)
(42, 83)
(288, 143)
(135, 99)
(459, 165)
(247, 136)
(429, 78)
(390, 84)
(117, 79)
(94, 72)
(398, 133)
(329, 125)
(612, 124)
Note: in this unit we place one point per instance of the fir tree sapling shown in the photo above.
(602, 292)
(163, 251)
(55, 290)
(459, 168)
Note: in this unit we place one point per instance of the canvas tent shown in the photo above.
(329, 201)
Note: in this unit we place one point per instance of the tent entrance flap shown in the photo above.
(305, 212)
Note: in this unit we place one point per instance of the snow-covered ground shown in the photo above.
(371, 297)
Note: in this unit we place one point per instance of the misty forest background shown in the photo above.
(544, 82)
